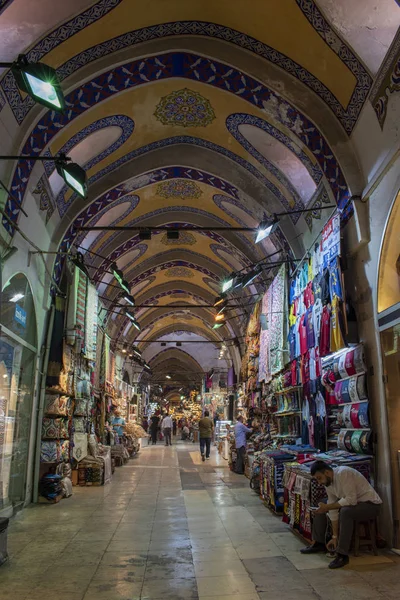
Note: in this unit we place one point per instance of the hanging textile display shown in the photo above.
(56, 346)
(91, 322)
(99, 351)
(72, 308)
(264, 370)
(80, 449)
(81, 309)
(278, 321)
(253, 347)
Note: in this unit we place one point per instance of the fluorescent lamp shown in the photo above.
(17, 297)
(119, 276)
(218, 325)
(39, 81)
(265, 229)
(74, 176)
(220, 317)
(168, 377)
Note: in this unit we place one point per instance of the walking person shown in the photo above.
(206, 427)
(155, 421)
(350, 498)
(167, 429)
(174, 427)
(240, 442)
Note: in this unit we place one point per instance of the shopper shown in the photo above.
(350, 498)
(118, 423)
(185, 432)
(206, 428)
(154, 425)
(145, 424)
(240, 442)
(166, 428)
(174, 427)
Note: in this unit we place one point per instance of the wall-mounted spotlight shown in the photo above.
(73, 175)
(228, 283)
(133, 320)
(173, 235)
(219, 300)
(128, 298)
(266, 228)
(39, 81)
(145, 235)
(119, 276)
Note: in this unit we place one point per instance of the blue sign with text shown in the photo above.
(20, 315)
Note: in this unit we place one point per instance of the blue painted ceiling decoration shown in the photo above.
(156, 68)
(180, 125)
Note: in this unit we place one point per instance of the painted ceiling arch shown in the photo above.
(203, 115)
(189, 67)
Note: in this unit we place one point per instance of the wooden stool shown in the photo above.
(370, 528)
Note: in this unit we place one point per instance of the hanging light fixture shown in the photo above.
(133, 320)
(250, 277)
(266, 227)
(73, 175)
(222, 308)
(168, 377)
(136, 351)
(228, 283)
(219, 300)
(125, 348)
(119, 276)
(128, 298)
(39, 81)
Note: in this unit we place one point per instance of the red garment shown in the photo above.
(305, 368)
(349, 363)
(318, 364)
(293, 369)
(303, 335)
(325, 333)
(308, 296)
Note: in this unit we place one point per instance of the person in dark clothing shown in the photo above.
(145, 424)
(205, 429)
(155, 421)
(174, 427)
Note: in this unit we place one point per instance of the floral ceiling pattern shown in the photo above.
(185, 108)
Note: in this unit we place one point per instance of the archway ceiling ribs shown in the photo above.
(288, 18)
(206, 334)
(201, 353)
(64, 200)
(187, 66)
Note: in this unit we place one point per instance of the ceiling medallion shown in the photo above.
(179, 272)
(179, 188)
(185, 108)
(185, 239)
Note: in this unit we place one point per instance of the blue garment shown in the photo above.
(335, 283)
(240, 434)
(117, 425)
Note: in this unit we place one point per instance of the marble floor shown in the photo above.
(172, 527)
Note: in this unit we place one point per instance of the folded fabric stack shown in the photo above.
(50, 486)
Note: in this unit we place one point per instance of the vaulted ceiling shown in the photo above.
(190, 113)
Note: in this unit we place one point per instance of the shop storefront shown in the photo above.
(389, 327)
(18, 359)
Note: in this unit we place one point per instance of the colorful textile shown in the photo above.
(72, 308)
(55, 404)
(81, 406)
(81, 308)
(91, 322)
(54, 428)
(56, 347)
(80, 449)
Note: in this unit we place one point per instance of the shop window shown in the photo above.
(389, 266)
(17, 374)
(390, 340)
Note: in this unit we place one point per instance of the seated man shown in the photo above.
(350, 498)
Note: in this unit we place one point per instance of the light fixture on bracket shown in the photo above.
(136, 351)
(266, 228)
(173, 234)
(219, 300)
(251, 276)
(79, 262)
(125, 348)
(128, 298)
(73, 175)
(119, 276)
(228, 283)
(132, 318)
(39, 81)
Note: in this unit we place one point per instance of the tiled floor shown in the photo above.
(171, 527)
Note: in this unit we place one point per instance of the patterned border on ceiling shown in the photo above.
(235, 120)
(133, 202)
(143, 180)
(319, 198)
(130, 243)
(164, 67)
(347, 116)
(387, 81)
(126, 124)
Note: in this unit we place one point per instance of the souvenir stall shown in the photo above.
(72, 402)
(313, 399)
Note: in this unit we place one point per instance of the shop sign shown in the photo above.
(20, 315)
(331, 240)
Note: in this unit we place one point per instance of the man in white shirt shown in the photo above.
(166, 427)
(350, 498)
